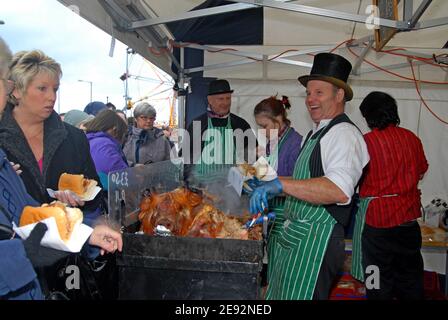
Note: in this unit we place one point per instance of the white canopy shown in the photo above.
(293, 30)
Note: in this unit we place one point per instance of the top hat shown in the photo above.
(219, 86)
(331, 68)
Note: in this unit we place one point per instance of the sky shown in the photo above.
(82, 49)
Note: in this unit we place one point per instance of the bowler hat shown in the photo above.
(331, 68)
(219, 86)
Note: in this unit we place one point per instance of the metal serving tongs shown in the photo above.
(263, 218)
(256, 217)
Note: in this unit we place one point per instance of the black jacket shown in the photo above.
(66, 149)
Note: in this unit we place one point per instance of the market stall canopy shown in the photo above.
(273, 39)
(262, 46)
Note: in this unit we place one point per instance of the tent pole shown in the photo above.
(408, 9)
(361, 57)
(325, 12)
(418, 13)
(181, 92)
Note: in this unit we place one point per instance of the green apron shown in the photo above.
(302, 242)
(276, 205)
(357, 270)
(218, 151)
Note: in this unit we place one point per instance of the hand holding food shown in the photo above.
(66, 218)
(76, 183)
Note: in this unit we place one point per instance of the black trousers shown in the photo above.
(396, 252)
(332, 264)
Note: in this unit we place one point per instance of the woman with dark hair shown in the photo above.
(380, 110)
(387, 234)
(106, 133)
(282, 151)
(122, 114)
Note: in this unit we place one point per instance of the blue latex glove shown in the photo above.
(259, 220)
(252, 184)
(260, 196)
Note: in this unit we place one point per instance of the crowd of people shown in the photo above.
(313, 197)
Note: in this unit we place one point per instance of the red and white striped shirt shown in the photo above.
(397, 163)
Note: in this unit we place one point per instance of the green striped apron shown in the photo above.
(217, 152)
(276, 205)
(357, 270)
(302, 242)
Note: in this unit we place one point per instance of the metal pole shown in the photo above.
(181, 97)
(126, 80)
(408, 9)
(91, 88)
(126, 94)
(418, 13)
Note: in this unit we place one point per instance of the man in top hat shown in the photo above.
(217, 125)
(310, 249)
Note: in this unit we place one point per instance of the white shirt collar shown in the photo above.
(322, 123)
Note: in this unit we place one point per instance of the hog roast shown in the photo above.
(191, 214)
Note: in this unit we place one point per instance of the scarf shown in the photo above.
(213, 114)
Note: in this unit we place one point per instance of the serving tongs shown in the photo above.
(261, 218)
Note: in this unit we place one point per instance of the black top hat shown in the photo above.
(332, 68)
(219, 86)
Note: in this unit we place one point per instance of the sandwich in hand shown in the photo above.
(76, 183)
(66, 218)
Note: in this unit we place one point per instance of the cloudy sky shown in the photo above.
(83, 52)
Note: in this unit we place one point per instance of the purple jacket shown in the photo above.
(106, 153)
(289, 153)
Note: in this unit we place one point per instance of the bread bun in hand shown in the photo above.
(76, 183)
(66, 218)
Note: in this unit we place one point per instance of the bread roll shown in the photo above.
(76, 183)
(66, 218)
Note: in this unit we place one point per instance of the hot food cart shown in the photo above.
(172, 267)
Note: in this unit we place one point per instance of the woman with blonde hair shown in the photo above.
(33, 135)
(22, 259)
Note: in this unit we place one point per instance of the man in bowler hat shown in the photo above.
(319, 195)
(224, 123)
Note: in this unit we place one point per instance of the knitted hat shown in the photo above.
(94, 107)
(75, 117)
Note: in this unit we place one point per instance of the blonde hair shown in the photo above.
(28, 64)
(5, 58)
